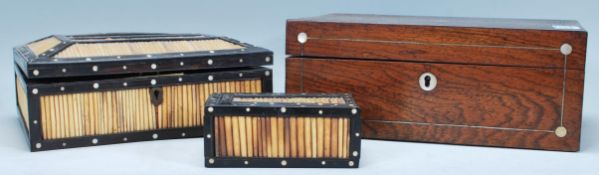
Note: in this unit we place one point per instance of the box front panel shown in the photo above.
(281, 137)
(469, 104)
(131, 110)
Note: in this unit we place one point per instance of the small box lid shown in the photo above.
(60, 56)
(480, 41)
(276, 100)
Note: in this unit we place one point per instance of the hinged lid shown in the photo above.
(480, 41)
(126, 53)
(275, 100)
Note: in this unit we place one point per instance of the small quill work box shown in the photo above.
(282, 130)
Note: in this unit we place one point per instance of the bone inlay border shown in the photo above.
(565, 49)
(459, 125)
(432, 43)
(564, 89)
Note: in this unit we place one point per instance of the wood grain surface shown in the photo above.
(440, 44)
(463, 22)
(472, 104)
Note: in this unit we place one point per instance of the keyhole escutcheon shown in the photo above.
(427, 81)
(156, 95)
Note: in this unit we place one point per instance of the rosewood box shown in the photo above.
(85, 90)
(282, 130)
(473, 81)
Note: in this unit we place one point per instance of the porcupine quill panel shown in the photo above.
(131, 110)
(280, 137)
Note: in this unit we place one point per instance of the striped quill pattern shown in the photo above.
(130, 110)
(79, 50)
(278, 137)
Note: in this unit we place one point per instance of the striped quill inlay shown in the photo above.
(302, 100)
(22, 102)
(278, 137)
(130, 110)
(43, 45)
(79, 50)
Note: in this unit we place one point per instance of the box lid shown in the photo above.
(277, 100)
(481, 41)
(60, 56)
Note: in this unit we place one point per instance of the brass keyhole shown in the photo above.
(156, 95)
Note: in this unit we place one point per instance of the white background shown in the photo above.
(263, 23)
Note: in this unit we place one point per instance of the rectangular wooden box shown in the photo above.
(473, 81)
(86, 90)
(282, 131)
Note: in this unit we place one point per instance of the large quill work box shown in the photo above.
(86, 90)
